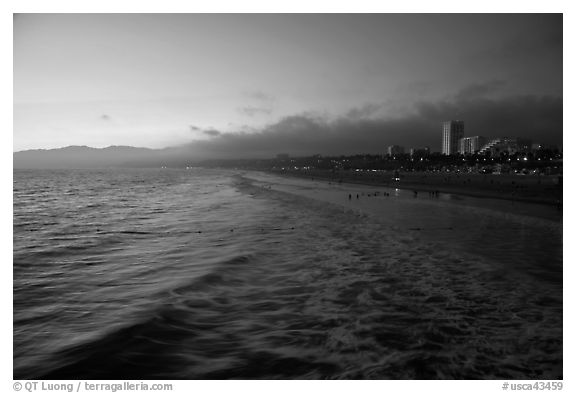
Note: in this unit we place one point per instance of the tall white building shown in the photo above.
(452, 132)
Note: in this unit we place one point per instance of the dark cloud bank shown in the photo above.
(361, 130)
(535, 117)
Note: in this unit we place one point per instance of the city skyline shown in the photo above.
(253, 85)
(461, 144)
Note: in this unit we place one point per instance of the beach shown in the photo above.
(208, 274)
(544, 189)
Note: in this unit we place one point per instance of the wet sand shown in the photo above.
(540, 189)
(334, 191)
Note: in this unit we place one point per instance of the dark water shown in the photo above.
(154, 274)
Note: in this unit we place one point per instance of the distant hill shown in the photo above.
(88, 157)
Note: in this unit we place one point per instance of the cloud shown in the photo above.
(264, 104)
(545, 37)
(536, 117)
(365, 111)
(259, 96)
(253, 110)
(536, 50)
(365, 130)
(212, 132)
(481, 90)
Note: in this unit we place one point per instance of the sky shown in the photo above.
(261, 84)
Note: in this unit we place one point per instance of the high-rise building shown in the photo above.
(452, 132)
(471, 144)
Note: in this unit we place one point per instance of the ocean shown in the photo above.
(221, 274)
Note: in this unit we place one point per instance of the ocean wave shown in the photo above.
(258, 282)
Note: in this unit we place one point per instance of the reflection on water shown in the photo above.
(179, 274)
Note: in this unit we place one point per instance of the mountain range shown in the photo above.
(78, 157)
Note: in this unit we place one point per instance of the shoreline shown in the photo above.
(537, 190)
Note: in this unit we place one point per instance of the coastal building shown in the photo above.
(419, 151)
(506, 145)
(395, 150)
(452, 132)
(471, 144)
